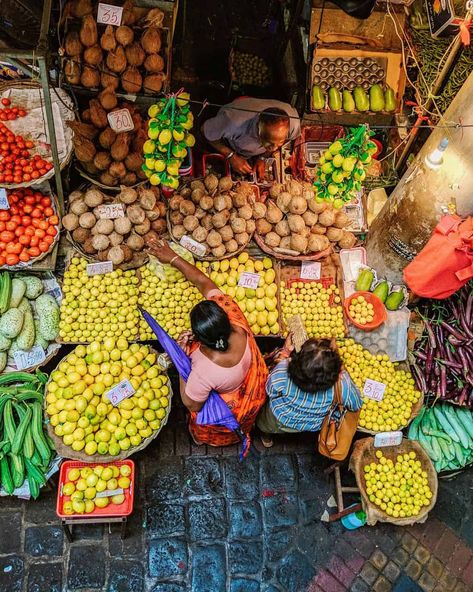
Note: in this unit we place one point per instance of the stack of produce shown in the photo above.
(79, 410)
(98, 307)
(445, 432)
(343, 167)
(394, 411)
(113, 158)
(376, 100)
(28, 227)
(25, 450)
(121, 239)
(169, 139)
(441, 359)
(392, 299)
(126, 56)
(319, 307)
(28, 317)
(248, 69)
(84, 484)
(401, 488)
(216, 213)
(296, 222)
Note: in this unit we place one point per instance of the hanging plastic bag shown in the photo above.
(168, 273)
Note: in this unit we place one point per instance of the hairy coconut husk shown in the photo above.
(109, 80)
(90, 77)
(107, 179)
(108, 99)
(116, 60)
(86, 116)
(139, 139)
(151, 40)
(120, 148)
(72, 71)
(108, 41)
(154, 18)
(133, 161)
(129, 179)
(154, 63)
(83, 129)
(72, 44)
(132, 80)
(124, 35)
(128, 16)
(81, 8)
(153, 83)
(102, 160)
(93, 55)
(83, 149)
(135, 54)
(98, 116)
(107, 137)
(88, 31)
(89, 167)
(117, 170)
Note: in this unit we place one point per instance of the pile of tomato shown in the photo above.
(28, 227)
(9, 113)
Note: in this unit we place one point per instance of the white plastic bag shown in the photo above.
(168, 273)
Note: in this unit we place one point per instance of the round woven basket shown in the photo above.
(414, 413)
(364, 452)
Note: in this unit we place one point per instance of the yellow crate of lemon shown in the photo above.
(82, 420)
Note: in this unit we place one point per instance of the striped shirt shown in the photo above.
(303, 411)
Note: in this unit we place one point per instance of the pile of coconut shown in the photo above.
(120, 239)
(296, 224)
(216, 213)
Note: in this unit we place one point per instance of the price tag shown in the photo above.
(120, 391)
(4, 204)
(310, 270)
(387, 439)
(99, 268)
(249, 280)
(374, 389)
(27, 359)
(109, 492)
(121, 121)
(107, 14)
(111, 211)
(193, 246)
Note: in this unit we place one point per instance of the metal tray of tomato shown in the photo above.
(112, 510)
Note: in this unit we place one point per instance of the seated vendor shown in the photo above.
(250, 128)
(300, 389)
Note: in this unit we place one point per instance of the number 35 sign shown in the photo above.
(107, 14)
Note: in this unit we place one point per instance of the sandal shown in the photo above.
(267, 441)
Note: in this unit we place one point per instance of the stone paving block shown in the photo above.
(460, 559)
(422, 554)
(326, 582)
(164, 519)
(208, 569)
(413, 569)
(167, 558)
(391, 571)
(126, 576)
(241, 479)
(379, 560)
(400, 556)
(467, 575)
(340, 570)
(166, 442)
(278, 472)
(245, 519)
(294, 571)
(359, 585)
(406, 584)
(269, 588)
(45, 577)
(427, 582)
(309, 469)
(447, 581)
(369, 573)
(86, 567)
(243, 585)
(183, 442)
(43, 510)
(433, 530)
(133, 543)
(44, 540)
(350, 556)
(11, 573)
(434, 567)
(10, 523)
(382, 585)
(280, 510)
(409, 543)
(460, 587)
(207, 519)
(316, 541)
(277, 544)
(202, 476)
(245, 557)
(362, 543)
(90, 532)
(169, 587)
(165, 482)
(446, 546)
(312, 509)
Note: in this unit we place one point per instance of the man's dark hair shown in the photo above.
(272, 116)
(315, 367)
(211, 325)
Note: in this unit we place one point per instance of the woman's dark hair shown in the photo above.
(210, 325)
(315, 367)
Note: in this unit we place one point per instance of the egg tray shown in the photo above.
(347, 73)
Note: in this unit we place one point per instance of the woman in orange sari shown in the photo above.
(224, 356)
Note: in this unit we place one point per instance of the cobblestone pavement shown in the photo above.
(203, 522)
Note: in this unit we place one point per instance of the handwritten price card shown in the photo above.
(99, 268)
(310, 270)
(4, 203)
(111, 211)
(249, 280)
(107, 14)
(193, 246)
(27, 359)
(121, 121)
(387, 439)
(374, 389)
(120, 391)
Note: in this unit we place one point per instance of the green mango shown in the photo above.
(376, 98)
(364, 280)
(348, 102)
(382, 290)
(361, 99)
(393, 301)
(389, 100)
(334, 99)
(318, 98)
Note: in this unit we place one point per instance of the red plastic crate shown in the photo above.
(112, 510)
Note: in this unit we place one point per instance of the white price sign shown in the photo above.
(249, 280)
(387, 439)
(107, 14)
(120, 391)
(310, 270)
(99, 268)
(193, 246)
(111, 211)
(27, 359)
(374, 389)
(4, 203)
(121, 121)
(109, 492)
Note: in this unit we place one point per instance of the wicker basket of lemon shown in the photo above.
(106, 401)
(398, 484)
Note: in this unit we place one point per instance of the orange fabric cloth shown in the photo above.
(246, 401)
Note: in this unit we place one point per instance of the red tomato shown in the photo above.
(2, 260)
(13, 248)
(25, 220)
(43, 225)
(16, 219)
(29, 231)
(2, 226)
(6, 236)
(34, 251)
(24, 256)
(29, 199)
(24, 240)
(46, 202)
(19, 231)
(29, 144)
(34, 242)
(11, 259)
(43, 247)
(53, 219)
(4, 215)
(21, 112)
(48, 239)
(36, 213)
(40, 232)
(27, 209)
(10, 225)
(6, 102)
(35, 175)
(51, 231)
(26, 177)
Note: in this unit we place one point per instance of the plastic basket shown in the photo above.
(216, 161)
(380, 314)
(315, 137)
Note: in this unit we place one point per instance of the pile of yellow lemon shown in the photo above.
(99, 306)
(78, 404)
(399, 488)
(319, 308)
(361, 311)
(85, 486)
(394, 410)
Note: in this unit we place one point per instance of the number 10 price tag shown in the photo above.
(249, 280)
(374, 389)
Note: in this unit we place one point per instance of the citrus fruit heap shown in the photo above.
(99, 306)
(361, 311)
(85, 486)
(319, 308)
(394, 410)
(400, 488)
(77, 397)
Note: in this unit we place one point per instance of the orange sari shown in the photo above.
(246, 401)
